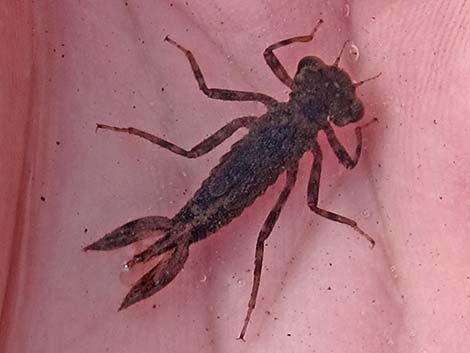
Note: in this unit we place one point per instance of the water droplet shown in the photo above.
(393, 269)
(365, 213)
(203, 278)
(241, 282)
(346, 10)
(353, 52)
(126, 276)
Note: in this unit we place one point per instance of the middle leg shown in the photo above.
(218, 93)
(263, 235)
(200, 149)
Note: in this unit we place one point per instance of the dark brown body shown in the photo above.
(321, 94)
(275, 142)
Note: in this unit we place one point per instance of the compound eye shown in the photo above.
(311, 62)
(342, 115)
(357, 110)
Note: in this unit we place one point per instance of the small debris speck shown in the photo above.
(43, 198)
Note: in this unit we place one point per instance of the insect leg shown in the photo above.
(200, 149)
(340, 152)
(263, 235)
(131, 232)
(218, 93)
(274, 63)
(313, 192)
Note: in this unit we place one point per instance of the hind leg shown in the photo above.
(263, 235)
(131, 232)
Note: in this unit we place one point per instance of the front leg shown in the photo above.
(274, 63)
(340, 152)
(313, 192)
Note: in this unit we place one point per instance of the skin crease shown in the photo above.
(322, 288)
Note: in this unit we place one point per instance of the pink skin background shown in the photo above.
(66, 65)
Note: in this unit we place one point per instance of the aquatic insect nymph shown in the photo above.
(276, 141)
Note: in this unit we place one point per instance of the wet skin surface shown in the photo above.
(408, 294)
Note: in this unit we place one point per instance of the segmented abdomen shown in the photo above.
(244, 173)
